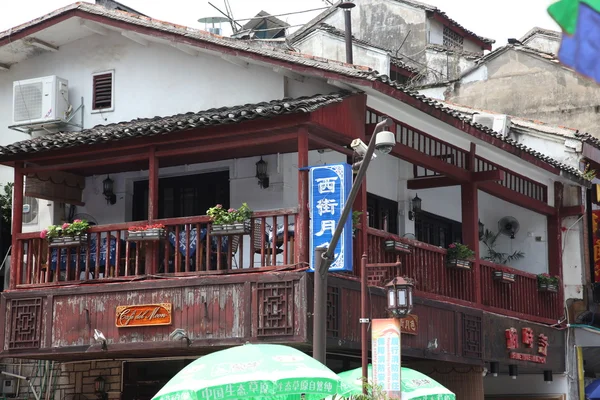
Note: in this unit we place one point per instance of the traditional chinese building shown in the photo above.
(175, 121)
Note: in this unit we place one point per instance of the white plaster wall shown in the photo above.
(478, 74)
(434, 92)
(525, 385)
(471, 46)
(436, 32)
(323, 44)
(544, 43)
(555, 148)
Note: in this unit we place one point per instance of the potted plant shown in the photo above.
(355, 221)
(490, 239)
(67, 234)
(547, 283)
(459, 256)
(230, 222)
(503, 276)
(151, 232)
(392, 244)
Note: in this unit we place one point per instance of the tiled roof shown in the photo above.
(587, 138)
(466, 54)
(164, 125)
(242, 48)
(541, 31)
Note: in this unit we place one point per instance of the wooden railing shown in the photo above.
(520, 297)
(190, 247)
(427, 266)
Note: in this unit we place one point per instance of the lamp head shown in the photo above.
(385, 142)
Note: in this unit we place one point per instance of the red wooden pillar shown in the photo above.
(17, 226)
(302, 224)
(555, 266)
(153, 254)
(470, 222)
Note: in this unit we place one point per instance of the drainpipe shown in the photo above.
(346, 6)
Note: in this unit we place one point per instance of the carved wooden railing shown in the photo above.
(426, 264)
(190, 247)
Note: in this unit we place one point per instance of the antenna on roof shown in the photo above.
(229, 12)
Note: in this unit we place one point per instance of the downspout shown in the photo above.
(346, 6)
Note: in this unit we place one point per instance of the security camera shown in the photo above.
(385, 142)
(360, 147)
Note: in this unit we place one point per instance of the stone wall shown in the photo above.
(58, 381)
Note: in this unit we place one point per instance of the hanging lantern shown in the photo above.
(100, 385)
(416, 207)
(399, 297)
(108, 190)
(261, 173)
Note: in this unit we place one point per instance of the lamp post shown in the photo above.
(384, 141)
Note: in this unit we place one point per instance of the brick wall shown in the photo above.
(56, 381)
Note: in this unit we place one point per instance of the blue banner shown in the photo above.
(329, 187)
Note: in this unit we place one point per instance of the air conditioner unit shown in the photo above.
(498, 123)
(30, 210)
(40, 100)
(9, 386)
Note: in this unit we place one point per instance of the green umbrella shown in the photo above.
(252, 371)
(415, 385)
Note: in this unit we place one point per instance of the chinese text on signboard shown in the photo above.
(529, 340)
(329, 188)
(386, 355)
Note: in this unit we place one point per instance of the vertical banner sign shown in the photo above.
(596, 236)
(385, 340)
(329, 187)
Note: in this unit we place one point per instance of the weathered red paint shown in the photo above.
(17, 224)
(431, 183)
(401, 71)
(516, 198)
(555, 235)
(302, 255)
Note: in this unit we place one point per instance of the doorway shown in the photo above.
(143, 379)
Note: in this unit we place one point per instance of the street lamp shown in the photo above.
(400, 301)
(384, 141)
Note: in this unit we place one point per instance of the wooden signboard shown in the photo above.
(143, 315)
(410, 325)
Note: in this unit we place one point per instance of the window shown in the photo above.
(382, 213)
(436, 230)
(102, 91)
(452, 39)
(183, 196)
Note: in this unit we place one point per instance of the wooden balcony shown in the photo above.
(427, 265)
(190, 247)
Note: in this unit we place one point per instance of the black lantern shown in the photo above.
(261, 173)
(100, 386)
(548, 376)
(108, 190)
(513, 371)
(481, 230)
(416, 207)
(494, 368)
(399, 298)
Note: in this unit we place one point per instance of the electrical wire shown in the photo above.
(281, 15)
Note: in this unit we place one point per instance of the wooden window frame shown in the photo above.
(112, 92)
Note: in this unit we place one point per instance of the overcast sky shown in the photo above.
(496, 20)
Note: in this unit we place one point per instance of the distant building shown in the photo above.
(263, 26)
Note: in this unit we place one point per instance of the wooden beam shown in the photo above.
(89, 163)
(135, 38)
(186, 49)
(555, 239)
(17, 225)
(329, 145)
(497, 190)
(433, 163)
(495, 175)
(572, 211)
(40, 44)
(153, 168)
(430, 183)
(94, 27)
(303, 213)
(470, 231)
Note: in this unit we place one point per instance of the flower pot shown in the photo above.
(56, 242)
(154, 234)
(134, 235)
(396, 246)
(504, 277)
(65, 241)
(458, 264)
(239, 228)
(548, 287)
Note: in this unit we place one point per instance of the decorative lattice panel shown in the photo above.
(276, 312)
(25, 323)
(333, 311)
(472, 336)
(452, 39)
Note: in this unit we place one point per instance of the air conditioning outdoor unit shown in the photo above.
(9, 386)
(498, 123)
(40, 100)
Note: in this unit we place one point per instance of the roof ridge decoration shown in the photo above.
(164, 125)
(354, 72)
(536, 29)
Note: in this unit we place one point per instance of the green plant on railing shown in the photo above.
(490, 240)
(459, 251)
(588, 173)
(77, 228)
(547, 279)
(220, 216)
(355, 220)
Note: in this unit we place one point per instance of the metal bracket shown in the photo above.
(363, 320)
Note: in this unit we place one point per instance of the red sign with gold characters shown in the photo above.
(409, 325)
(596, 236)
(528, 339)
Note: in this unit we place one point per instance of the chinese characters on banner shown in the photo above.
(385, 341)
(329, 187)
(527, 338)
(596, 236)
